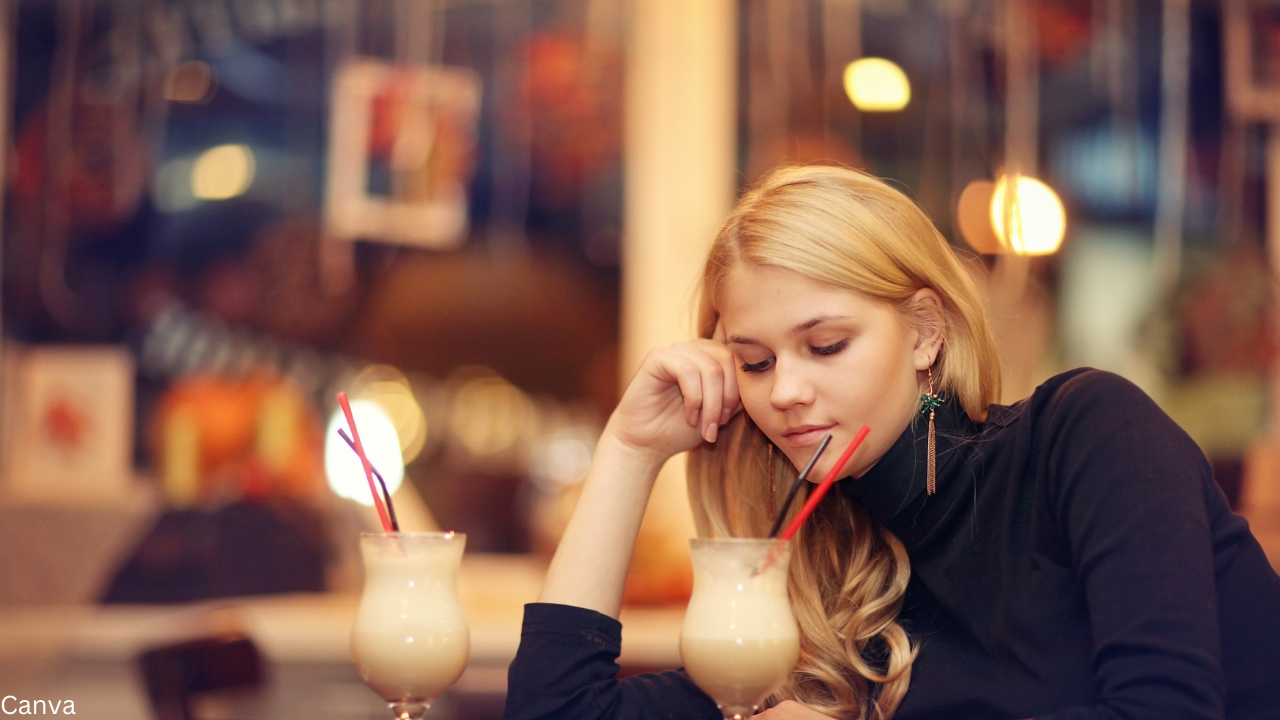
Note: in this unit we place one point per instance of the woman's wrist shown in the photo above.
(624, 460)
(590, 565)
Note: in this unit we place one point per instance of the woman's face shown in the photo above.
(815, 359)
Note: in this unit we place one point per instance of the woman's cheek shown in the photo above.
(760, 414)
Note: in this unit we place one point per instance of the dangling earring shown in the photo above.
(929, 404)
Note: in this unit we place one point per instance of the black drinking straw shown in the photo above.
(795, 486)
(386, 496)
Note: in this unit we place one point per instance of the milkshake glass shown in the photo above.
(410, 641)
(740, 640)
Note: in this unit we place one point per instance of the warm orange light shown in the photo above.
(1030, 219)
(876, 85)
(973, 218)
(222, 172)
(190, 82)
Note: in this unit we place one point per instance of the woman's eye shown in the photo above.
(829, 349)
(757, 367)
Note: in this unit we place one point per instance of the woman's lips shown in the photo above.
(806, 436)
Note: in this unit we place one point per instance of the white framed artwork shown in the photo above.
(401, 142)
(69, 423)
(1251, 49)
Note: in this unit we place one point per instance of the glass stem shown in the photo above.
(409, 711)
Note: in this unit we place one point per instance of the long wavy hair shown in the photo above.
(848, 574)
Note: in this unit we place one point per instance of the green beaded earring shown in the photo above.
(929, 404)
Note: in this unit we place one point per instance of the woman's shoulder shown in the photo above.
(1085, 416)
(1082, 394)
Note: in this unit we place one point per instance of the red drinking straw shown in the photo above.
(812, 502)
(823, 486)
(368, 468)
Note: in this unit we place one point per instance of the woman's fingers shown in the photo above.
(732, 399)
(681, 387)
(701, 384)
(712, 398)
(720, 399)
(688, 376)
(704, 372)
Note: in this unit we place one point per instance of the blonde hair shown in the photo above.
(848, 574)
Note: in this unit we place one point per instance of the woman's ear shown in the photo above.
(930, 324)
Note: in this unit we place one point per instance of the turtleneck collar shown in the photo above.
(893, 490)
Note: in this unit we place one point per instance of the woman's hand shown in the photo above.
(680, 396)
(791, 710)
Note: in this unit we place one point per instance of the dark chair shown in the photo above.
(173, 672)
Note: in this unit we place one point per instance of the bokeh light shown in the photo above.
(876, 85)
(342, 466)
(563, 458)
(391, 390)
(222, 172)
(1035, 217)
(190, 82)
(973, 216)
(488, 414)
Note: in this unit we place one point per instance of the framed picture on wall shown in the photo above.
(69, 423)
(401, 142)
(1251, 45)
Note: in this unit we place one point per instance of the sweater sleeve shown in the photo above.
(566, 667)
(1128, 488)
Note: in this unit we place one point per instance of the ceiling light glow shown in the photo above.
(1030, 219)
(876, 85)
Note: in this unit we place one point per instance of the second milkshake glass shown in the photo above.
(410, 641)
(740, 640)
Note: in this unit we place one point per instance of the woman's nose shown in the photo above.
(790, 386)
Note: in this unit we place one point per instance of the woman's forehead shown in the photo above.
(753, 282)
(774, 296)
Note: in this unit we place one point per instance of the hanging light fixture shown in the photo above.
(876, 85)
(1027, 216)
(973, 218)
(343, 468)
(222, 172)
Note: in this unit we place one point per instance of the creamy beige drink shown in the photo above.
(739, 673)
(740, 640)
(410, 641)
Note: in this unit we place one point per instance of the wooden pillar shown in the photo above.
(679, 162)
(679, 155)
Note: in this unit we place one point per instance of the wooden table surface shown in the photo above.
(90, 650)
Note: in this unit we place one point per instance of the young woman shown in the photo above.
(1069, 557)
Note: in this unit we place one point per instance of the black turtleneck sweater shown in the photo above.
(1076, 563)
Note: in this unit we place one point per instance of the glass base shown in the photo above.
(737, 712)
(409, 711)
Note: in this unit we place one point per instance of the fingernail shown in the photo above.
(725, 414)
(710, 432)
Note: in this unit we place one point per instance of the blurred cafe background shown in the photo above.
(475, 217)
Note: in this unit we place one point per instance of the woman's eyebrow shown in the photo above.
(810, 324)
(806, 325)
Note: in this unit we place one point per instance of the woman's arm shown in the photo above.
(590, 565)
(566, 668)
(679, 397)
(1127, 487)
(566, 664)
